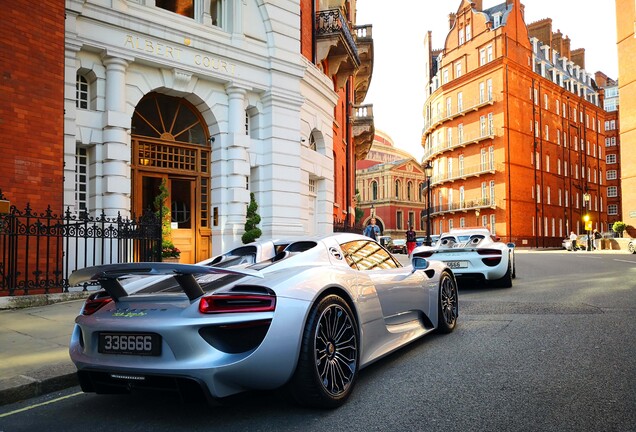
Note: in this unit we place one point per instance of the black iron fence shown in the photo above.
(345, 226)
(38, 251)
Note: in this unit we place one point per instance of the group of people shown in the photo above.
(373, 231)
(595, 240)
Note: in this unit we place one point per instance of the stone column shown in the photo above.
(115, 151)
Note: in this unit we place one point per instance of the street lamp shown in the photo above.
(428, 170)
(586, 219)
(477, 216)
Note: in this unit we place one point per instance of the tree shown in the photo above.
(163, 213)
(252, 232)
(619, 227)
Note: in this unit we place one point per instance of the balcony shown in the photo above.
(364, 39)
(336, 47)
(363, 130)
(464, 206)
(475, 105)
(464, 173)
(463, 140)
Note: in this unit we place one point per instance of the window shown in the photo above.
(482, 56)
(489, 53)
(409, 191)
(547, 163)
(610, 158)
(367, 255)
(612, 209)
(444, 76)
(546, 104)
(547, 195)
(460, 103)
(611, 175)
(496, 20)
(489, 88)
(536, 129)
(491, 124)
(449, 106)
(449, 136)
(482, 126)
(374, 190)
(492, 224)
(612, 191)
(81, 92)
(491, 157)
(460, 133)
(182, 7)
(399, 223)
(558, 106)
(492, 192)
(81, 180)
(547, 133)
(469, 33)
(461, 165)
(461, 36)
(482, 92)
(216, 12)
(458, 70)
(484, 160)
(397, 189)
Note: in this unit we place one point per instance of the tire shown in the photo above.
(631, 247)
(514, 267)
(328, 364)
(505, 281)
(448, 303)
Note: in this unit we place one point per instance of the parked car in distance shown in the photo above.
(474, 253)
(581, 243)
(421, 240)
(397, 246)
(631, 247)
(384, 240)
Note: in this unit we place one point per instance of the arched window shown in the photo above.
(81, 92)
(409, 190)
(397, 189)
(374, 190)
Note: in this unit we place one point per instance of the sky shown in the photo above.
(399, 27)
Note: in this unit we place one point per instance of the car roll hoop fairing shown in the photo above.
(108, 275)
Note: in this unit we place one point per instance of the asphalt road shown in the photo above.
(554, 353)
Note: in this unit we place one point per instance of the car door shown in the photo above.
(400, 291)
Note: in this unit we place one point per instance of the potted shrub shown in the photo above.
(252, 232)
(618, 227)
(168, 250)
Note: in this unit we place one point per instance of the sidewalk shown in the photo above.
(34, 357)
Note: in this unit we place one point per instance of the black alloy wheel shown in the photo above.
(328, 365)
(448, 303)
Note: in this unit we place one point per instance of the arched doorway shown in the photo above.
(170, 142)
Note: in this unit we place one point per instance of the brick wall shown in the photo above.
(32, 104)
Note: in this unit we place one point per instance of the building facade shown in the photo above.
(513, 129)
(612, 147)
(217, 99)
(391, 186)
(626, 42)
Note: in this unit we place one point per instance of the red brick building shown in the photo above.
(32, 104)
(391, 186)
(513, 128)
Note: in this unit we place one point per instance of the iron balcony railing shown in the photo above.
(331, 22)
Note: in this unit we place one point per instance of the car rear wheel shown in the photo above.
(328, 364)
(448, 308)
(506, 280)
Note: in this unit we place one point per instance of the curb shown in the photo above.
(24, 387)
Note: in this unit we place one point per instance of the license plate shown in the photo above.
(145, 344)
(457, 264)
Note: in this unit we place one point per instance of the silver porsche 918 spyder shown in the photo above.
(305, 315)
(473, 253)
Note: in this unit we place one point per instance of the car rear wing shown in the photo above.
(108, 275)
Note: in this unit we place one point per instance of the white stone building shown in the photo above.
(216, 99)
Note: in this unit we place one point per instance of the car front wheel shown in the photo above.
(631, 247)
(328, 364)
(448, 304)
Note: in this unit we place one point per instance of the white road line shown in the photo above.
(631, 262)
(40, 404)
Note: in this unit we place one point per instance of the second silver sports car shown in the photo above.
(307, 319)
(474, 253)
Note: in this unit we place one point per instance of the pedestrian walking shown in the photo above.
(573, 240)
(410, 240)
(597, 239)
(372, 230)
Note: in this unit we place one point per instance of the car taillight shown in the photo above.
(232, 303)
(95, 302)
(488, 251)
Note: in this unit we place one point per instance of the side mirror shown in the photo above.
(511, 245)
(419, 263)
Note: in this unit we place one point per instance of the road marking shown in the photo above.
(40, 404)
(631, 262)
